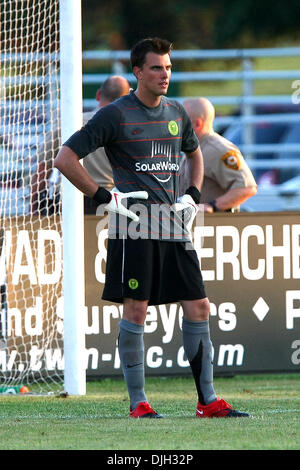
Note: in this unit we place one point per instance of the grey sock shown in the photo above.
(198, 349)
(131, 351)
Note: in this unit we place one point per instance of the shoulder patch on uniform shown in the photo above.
(232, 160)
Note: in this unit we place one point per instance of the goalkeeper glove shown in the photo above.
(189, 204)
(113, 200)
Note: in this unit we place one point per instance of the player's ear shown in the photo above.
(98, 95)
(137, 72)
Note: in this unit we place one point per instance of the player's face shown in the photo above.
(154, 76)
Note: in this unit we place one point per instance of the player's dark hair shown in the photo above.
(140, 49)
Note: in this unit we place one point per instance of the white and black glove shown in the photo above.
(113, 200)
(189, 204)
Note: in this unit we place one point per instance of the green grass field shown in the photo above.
(99, 420)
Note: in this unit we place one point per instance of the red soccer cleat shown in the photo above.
(144, 410)
(218, 409)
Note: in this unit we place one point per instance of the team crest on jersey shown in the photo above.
(232, 160)
(173, 127)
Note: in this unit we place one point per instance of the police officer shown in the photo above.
(228, 181)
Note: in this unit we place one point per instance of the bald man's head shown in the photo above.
(202, 114)
(113, 88)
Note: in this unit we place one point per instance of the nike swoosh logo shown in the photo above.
(199, 412)
(133, 365)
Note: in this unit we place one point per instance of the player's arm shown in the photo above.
(96, 133)
(195, 168)
(99, 130)
(67, 162)
(188, 202)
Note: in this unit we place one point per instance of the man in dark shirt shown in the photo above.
(143, 135)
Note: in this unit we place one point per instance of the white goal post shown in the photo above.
(72, 208)
(42, 319)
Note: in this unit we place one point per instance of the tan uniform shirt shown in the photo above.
(97, 163)
(224, 168)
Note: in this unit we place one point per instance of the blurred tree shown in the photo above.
(251, 24)
(144, 18)
(189, 23)
(102, 21)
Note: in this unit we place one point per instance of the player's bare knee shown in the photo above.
(203, 310)
(135, 310)
(196, 310)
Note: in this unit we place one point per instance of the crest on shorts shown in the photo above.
(232, 160)
(133, 284)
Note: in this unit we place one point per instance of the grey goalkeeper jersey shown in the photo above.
(144, 148)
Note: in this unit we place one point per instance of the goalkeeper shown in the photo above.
(143, 134)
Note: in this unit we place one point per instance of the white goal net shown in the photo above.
(31, 304)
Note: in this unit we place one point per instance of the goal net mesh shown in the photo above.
(31, 305)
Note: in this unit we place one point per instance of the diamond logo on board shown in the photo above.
(261, 309)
